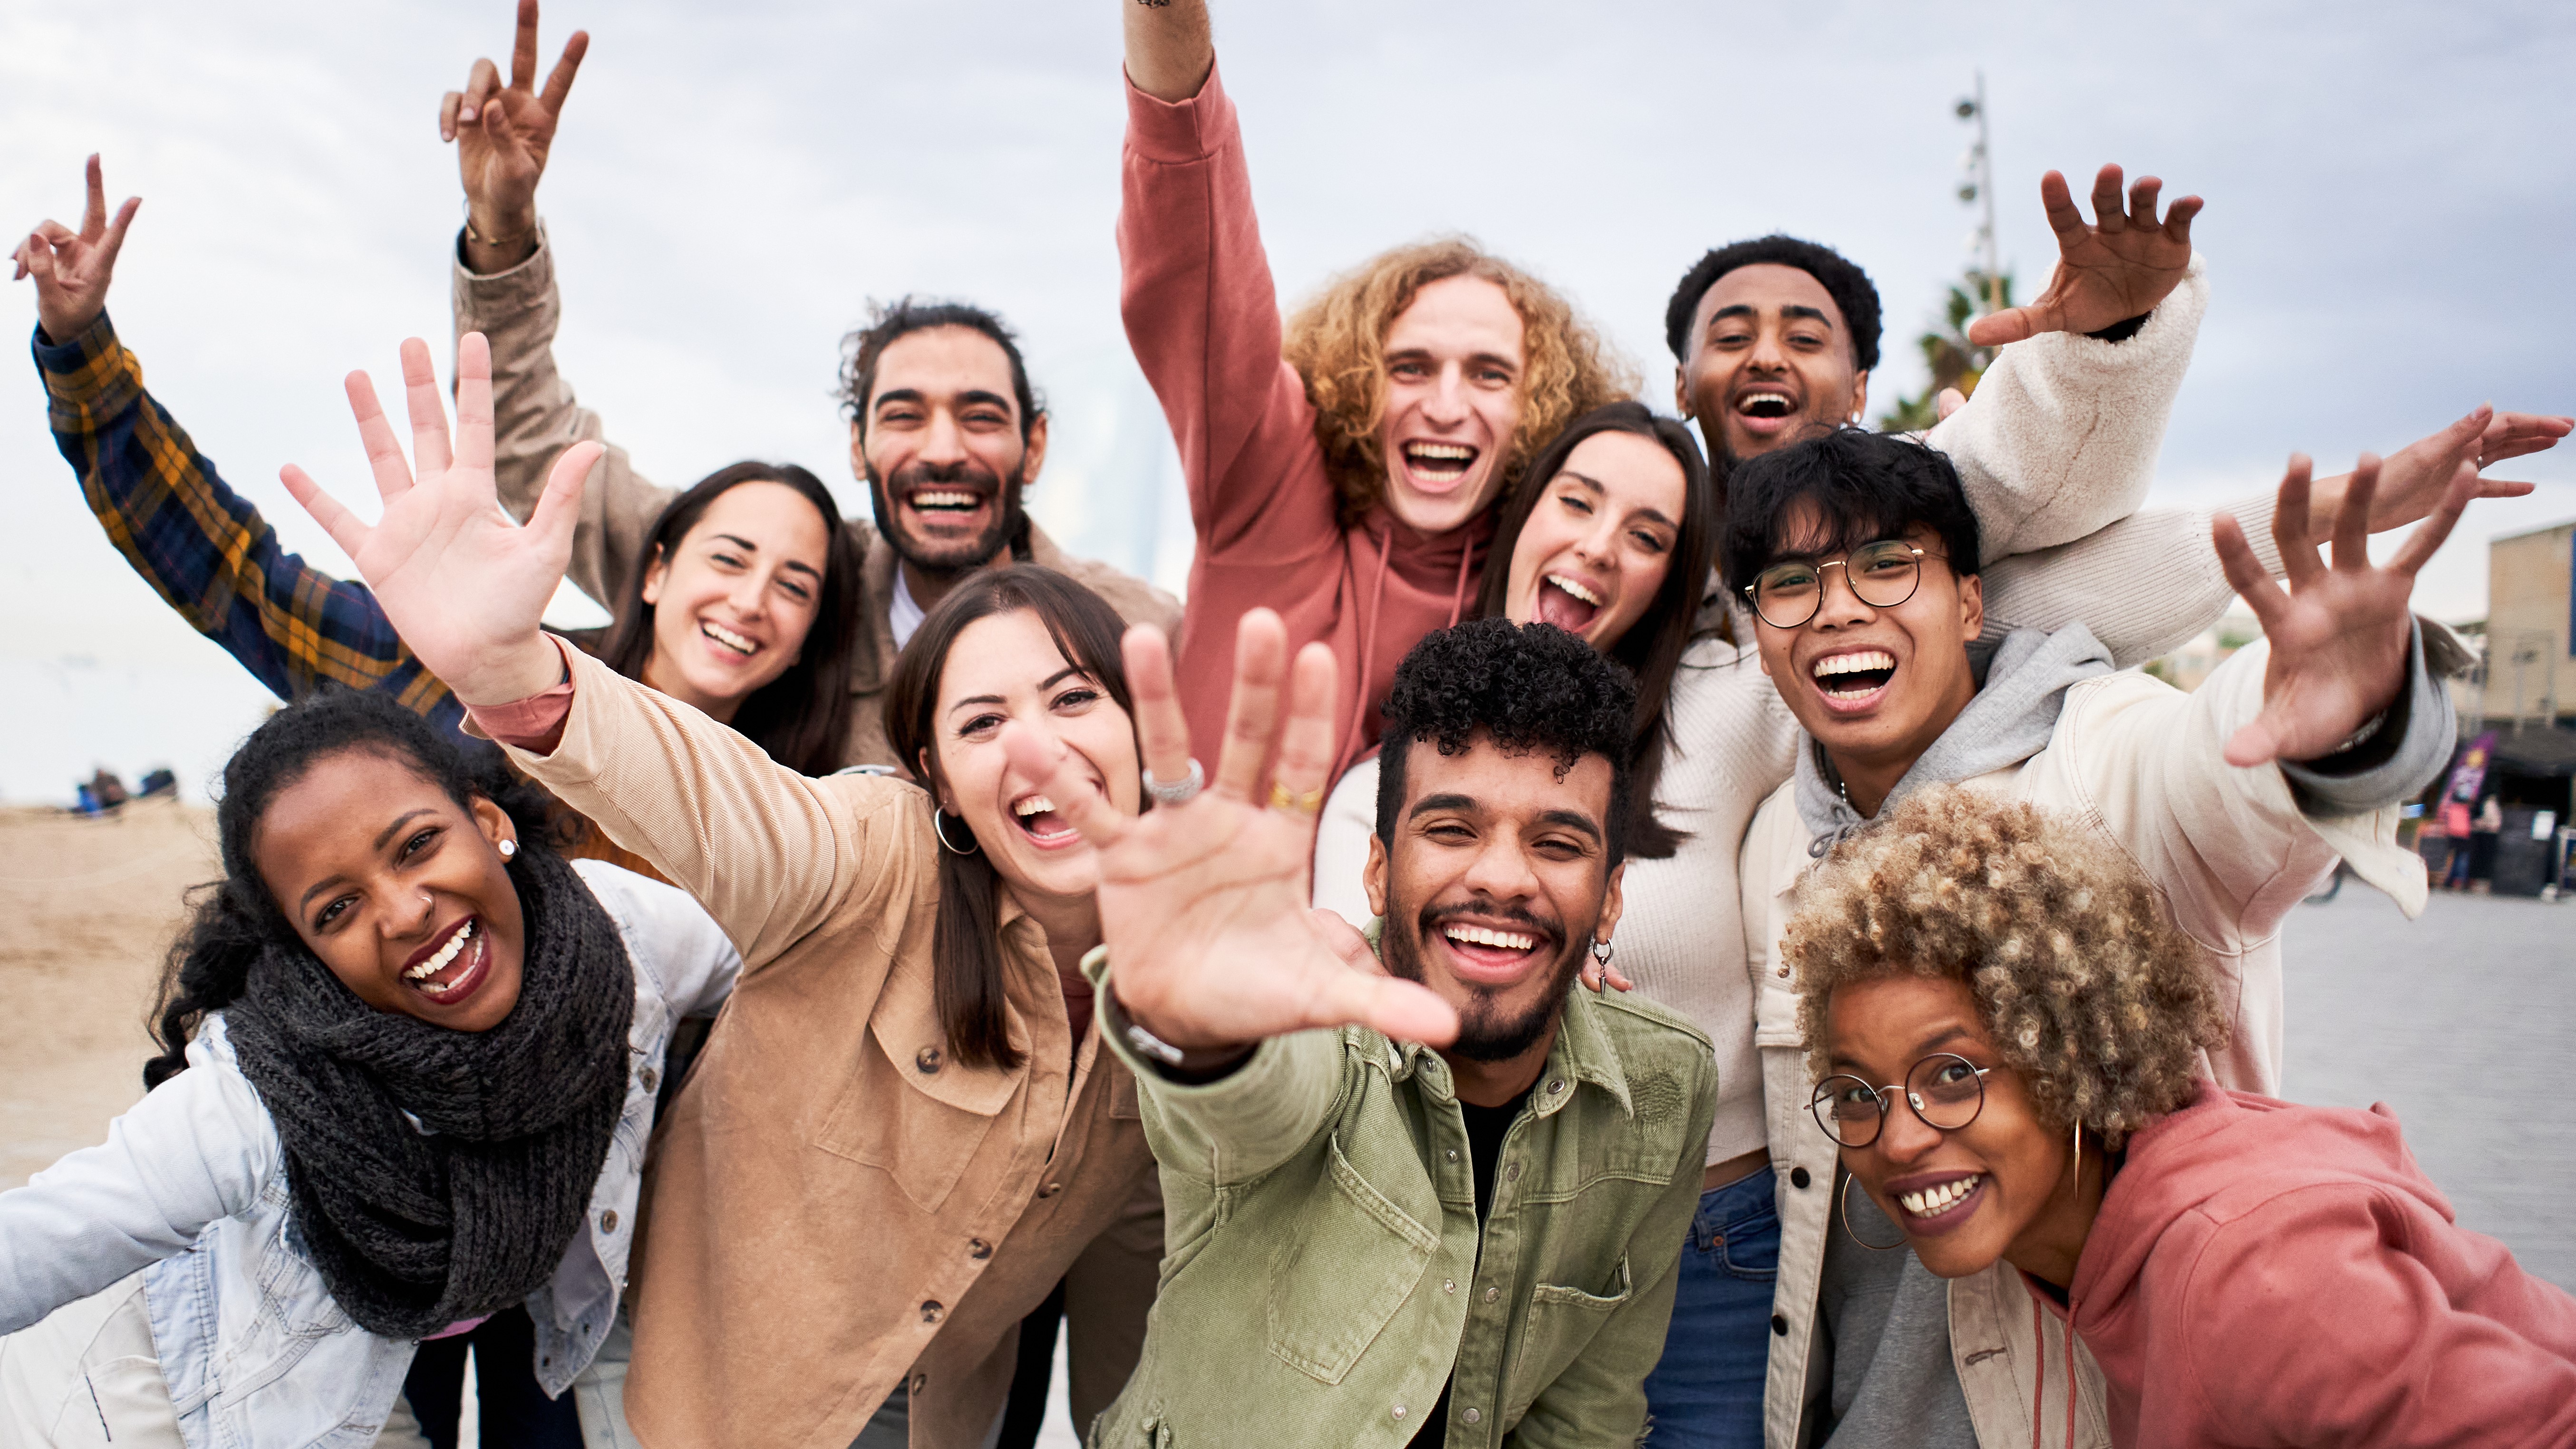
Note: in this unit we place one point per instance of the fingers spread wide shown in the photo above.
(1162, 732)
(473, 398)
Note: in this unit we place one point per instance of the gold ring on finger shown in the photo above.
(1299, 802)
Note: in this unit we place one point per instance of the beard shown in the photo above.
(1487, 1031)
(948, 556)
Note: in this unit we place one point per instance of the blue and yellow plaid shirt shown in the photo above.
(205, 549)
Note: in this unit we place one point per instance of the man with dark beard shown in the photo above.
(1374, 1241)
(944, 426)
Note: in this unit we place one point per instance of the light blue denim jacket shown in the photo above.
(190, 1189)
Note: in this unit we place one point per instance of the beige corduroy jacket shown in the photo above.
(836, 1207)
(535, 418)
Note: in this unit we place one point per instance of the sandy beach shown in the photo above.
(93, 906)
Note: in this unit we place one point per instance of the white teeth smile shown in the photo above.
(1576, 588)
(1753, 400)
(1934, 1201)
(944, 499)
(1858, 662)
(1032, 805)
(446, 954)
(1458, 451)
(728, 638)
(1484, 936)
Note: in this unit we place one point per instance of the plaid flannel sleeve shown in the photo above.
(205, 549)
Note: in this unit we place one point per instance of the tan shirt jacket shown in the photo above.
(835, 1206)
(535, 418)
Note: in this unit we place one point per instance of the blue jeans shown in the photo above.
(1707, 1391)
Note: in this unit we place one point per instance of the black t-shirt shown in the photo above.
(1486, 1128)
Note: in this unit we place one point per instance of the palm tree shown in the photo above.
(1954, 361)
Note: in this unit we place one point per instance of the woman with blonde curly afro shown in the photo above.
(2005, 1029)
(1345, 467)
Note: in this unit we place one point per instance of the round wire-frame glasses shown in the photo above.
(1945, 1090)
(1882, 575)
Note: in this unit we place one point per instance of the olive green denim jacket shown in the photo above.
(1324, 1272)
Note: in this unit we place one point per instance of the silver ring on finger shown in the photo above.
(1176, 792)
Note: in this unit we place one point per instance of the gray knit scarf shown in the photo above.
(417, 1227)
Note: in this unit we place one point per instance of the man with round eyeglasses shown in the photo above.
(1860, 559)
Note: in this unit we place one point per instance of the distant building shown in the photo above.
(2523, 693)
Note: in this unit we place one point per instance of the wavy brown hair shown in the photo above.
(1337, 343)
(2089, 990)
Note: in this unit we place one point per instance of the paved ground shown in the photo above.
(2464, 1023)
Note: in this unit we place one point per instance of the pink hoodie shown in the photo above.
(2263, 1273)
(1203, 318)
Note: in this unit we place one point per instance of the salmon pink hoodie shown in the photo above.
(2263, 1273)
(1203, 317)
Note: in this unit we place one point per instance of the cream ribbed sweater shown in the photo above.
(2060, 440)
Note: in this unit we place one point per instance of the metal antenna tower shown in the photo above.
(1977, 184)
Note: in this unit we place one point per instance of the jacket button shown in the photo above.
(652, 1080)
(927, 1060)
(978, 1249)
(1493, 1293)
(1779, 1326)
(920, 1382)
(1798, 1177)
(1512, 1173)
(1448, 1285)
(1471, 1416)
(1051, 1189)
(1453, 1154)
(1553, 1088)
(932, 1311)
(608, 1221)
(1399, 1411)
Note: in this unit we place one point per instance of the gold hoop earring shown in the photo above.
(939, 827)
(1848, 1180)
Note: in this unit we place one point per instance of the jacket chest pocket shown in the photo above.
(917, 1117)
(1335, 1286)
(1562, 1322)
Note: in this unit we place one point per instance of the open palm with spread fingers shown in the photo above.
(2338, 632)
(464, 586)
(2116, 268)
(1203, 905)
(72, 268)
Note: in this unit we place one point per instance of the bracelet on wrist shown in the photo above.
(476, 235)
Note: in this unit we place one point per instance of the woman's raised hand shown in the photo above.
(1204, 905)
(72, 268)
(463, 585)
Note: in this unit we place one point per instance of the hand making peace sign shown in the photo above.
(502, 136)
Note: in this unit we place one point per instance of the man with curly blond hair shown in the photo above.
(1860, 559)
(2005, 1027)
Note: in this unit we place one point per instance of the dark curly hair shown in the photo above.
(2088, 989)
(1864, 486)
(1847, 284)
(1529, 688)
(234, 919)
(865, 346)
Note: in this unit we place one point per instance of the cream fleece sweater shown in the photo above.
(2055, 450)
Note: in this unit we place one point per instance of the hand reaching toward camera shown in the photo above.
(72, 268)
(502, 135)
(2119, 267)
(464, 586)
(2415, 479)
(2338, 634)
(1203, 905)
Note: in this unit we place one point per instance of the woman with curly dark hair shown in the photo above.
(409, 1057)
(2005, 1027)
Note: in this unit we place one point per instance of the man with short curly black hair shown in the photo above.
(1385, 1243)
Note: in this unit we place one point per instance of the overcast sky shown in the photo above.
(2392, 192)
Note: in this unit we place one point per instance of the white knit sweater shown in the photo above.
(2056, 450)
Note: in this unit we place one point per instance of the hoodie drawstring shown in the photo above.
(1351, 745)
(2039, 1397)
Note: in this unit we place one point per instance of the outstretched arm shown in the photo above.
(1169, 49)
(203, 548)
(504, 288)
